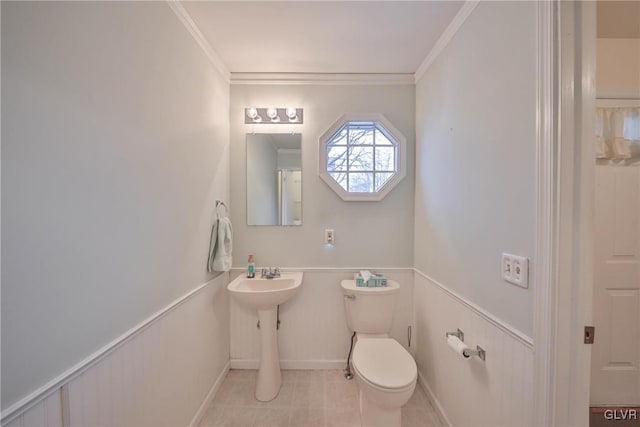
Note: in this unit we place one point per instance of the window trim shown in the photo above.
(401, 160)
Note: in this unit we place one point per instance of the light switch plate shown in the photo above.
(329, 236)
(515, 270)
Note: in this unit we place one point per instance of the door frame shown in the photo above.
(564, 212)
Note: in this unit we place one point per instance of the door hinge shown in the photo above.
(589, 334)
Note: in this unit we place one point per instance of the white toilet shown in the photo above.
(385, 371)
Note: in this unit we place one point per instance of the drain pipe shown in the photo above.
(347, 372)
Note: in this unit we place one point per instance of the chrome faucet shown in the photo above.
(269, 273)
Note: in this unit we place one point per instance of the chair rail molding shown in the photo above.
(489, 317)
(60, 383)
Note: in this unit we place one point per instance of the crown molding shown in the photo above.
(446, 37)
(197, 35)
(322, 79)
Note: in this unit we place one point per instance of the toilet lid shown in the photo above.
(384, 362)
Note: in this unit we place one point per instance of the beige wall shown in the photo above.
(475, 160)
(368, 234)
(618, 68)
(114, 148)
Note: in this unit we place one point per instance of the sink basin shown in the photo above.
(263, 294)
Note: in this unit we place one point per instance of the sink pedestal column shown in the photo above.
(269, 378)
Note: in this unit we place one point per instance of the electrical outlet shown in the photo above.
(515, 269)
(329, 236)
(507, 267)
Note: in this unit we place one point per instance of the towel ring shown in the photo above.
(220, 203)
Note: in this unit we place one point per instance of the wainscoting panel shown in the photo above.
(162, 375)
(313, 331)
(470, 392)
(46, 413)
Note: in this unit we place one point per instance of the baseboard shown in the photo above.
(434, 401)
(210, 395)
(291, 364)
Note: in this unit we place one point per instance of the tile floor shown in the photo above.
(306, 399)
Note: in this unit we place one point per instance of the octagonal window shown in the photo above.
(362, 157)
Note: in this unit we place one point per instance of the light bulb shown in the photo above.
(292, 113)
(272, 113)
(252, 113)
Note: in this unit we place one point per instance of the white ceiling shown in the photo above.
(322, 36)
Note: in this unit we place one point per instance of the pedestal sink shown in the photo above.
(264, 295)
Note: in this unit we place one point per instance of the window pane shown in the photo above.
(361, 135)
(336, 159)
(361, 158)
(360, 183)
(340, 178)
(385, 158)
(340, 138)
(381, 179)
(381, 138)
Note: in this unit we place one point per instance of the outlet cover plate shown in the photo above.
(515, 270)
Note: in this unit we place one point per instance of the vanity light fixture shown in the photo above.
(272, 115)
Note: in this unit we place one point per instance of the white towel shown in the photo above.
(220, 246)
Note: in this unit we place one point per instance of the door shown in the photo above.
(615, 374)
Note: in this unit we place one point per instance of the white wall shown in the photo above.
(618, 68)
(115, 146)
(470, 392)
(367, 234)
(163, 375)
(475, 158)
(475, 175)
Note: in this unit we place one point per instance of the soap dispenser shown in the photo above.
(251, 267)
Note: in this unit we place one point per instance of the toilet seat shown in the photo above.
(384, 364)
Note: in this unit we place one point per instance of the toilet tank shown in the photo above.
(369, 310)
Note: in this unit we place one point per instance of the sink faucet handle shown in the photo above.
(276, 271)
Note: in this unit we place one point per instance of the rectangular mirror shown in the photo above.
(274, 179)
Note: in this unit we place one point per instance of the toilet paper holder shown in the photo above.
(458, 333)
(479, 351)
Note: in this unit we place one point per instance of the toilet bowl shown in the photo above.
(386, 375)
